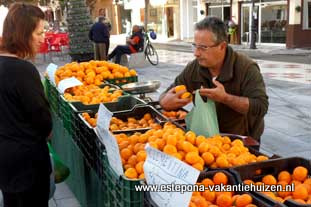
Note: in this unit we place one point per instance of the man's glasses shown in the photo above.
(202, 47)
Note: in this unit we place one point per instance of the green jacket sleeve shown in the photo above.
(254, 88)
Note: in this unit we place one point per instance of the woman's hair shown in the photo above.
(19, 24)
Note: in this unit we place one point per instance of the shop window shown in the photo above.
(307, 14)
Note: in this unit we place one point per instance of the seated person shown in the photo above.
(134, 44)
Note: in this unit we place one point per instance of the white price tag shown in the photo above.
(51, 69)
(110, 142)
(112, 150)
(68, 83)
(160, 168)
(103, 118)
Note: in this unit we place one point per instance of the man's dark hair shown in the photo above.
(214, 25)
(101, 19)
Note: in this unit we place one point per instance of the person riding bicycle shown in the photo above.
(134, 44)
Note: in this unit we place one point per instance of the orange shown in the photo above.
(283, 194)
(192, 157)
(261, 158)
(131, 173)
(126, 153)
(132, 160)
(187, 146)
(224, 200)
(219, 178)
(180, 88)
(169, 149)
(171, 139)
(141, 156)
(222, 162)
(243, 200)
(137, 147)
(186, 95)
(248, 182)
(190, 137)
(140, 167)
(284, 176)
(199, 140)
(199, 201)
(300, 192)
(198, 166)
(269, 180)
(203, 147)
(208, 158)
(300, 173)
(209, 195)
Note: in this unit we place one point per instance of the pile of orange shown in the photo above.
(300, 179)
(145, 122)
(93, 72)
(198, 151)
(133, 154)
(219, 199)
(180, 114)
(186, 94)
(117, 124)
(92, 94)
(91, 120)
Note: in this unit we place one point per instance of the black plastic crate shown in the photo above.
(138, 112)
(231, 181)
(271, 167)
(88, 141)
(124, 103)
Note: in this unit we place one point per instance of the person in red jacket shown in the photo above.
(134, 44)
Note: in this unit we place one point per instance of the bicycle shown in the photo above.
(149, 50)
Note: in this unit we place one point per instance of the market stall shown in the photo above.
(113, 142)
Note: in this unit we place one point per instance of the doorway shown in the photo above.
(246, 24)
(270, 22)
(170, 21)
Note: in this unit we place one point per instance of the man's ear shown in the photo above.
(223, 45)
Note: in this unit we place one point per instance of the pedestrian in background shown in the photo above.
(25, 121)
(100, 35)
(133, 45)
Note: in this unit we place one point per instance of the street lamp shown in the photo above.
(253, 28)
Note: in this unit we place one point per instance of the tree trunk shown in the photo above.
(146, 14)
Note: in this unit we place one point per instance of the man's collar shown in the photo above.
(226, 72)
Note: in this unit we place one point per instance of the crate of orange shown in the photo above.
(282, 171)
(219, 198)
(121, 190)
(96, 72)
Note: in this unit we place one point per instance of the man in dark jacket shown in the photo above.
(134, 44)
(229, 78)
(99, 34)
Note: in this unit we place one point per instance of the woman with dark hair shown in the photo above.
(25, 120)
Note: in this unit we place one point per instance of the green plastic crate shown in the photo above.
(122, 191)
(52, 95)
(122, 81)
(83, 181)
(67, 114)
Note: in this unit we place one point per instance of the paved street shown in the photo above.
(288, 122)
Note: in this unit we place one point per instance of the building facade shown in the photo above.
(276, 22)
